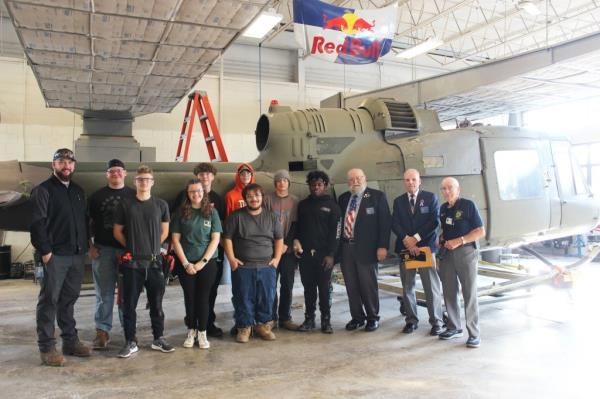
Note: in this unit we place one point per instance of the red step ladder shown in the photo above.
(199, 105)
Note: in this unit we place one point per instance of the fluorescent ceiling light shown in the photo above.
(421, 48)
(529, 7)
(263, 24)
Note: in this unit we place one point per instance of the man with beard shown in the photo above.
(59, 234)
(315, 244)
(104, 248)
(366, 227)
(253, 242)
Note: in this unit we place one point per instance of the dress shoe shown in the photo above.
(435, 331)
(372, 325)
(409, 328)
(354, 324)
(449, 334)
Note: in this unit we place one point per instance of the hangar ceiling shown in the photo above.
(136, 56)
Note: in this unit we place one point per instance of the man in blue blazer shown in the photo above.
(415, 221)
(365, 237)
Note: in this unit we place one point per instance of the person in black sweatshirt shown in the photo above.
(315, 244)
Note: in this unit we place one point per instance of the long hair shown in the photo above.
(186, 208)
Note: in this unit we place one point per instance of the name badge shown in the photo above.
(424, 209)
(207, 223)
(449, 221)
(370, 211)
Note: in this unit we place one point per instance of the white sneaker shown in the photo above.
(202, 341)
(189, 340)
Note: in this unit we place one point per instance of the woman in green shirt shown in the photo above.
(196, 230)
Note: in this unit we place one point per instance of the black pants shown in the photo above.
(196, 293)
(212, 298)
(315, 278)
(59, 290)
(133, 282)
(285, 273)
(361, 284)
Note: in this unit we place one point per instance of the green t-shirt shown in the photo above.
(195, 232)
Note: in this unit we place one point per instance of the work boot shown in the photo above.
(243, 334)
(264, 331)
(102, 339)
(78, 349)
(326, 325)
(308, 324)
(288, 325)
(52, 358)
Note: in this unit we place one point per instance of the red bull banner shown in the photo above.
(344, 35)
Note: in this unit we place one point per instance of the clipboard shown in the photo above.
(424, 259)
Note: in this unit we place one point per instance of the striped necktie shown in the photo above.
(412, 203)
(350, 218)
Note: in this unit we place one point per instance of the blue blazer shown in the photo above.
(372, 227)
(424, 221)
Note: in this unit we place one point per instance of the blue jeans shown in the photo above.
(253, 295)
(105, 271)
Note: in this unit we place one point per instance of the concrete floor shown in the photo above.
(539, 346)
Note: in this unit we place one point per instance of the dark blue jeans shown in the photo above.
(253, 294)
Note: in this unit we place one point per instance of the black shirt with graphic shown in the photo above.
(102, 206)
(460, 219)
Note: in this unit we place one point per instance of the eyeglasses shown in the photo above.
(144, 179)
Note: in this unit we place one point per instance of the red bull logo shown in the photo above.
(349, 23)
(352, 46)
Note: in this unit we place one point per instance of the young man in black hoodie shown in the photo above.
(315, 243)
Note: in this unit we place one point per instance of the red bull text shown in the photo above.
(351, 46)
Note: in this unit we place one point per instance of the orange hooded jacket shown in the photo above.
(234, 199)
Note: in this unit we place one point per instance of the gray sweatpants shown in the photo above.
(460, 265)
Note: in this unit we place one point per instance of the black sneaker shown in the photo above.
(162, 345)
(128, 349)
(473, 342)
(449, 334)
(214, 331)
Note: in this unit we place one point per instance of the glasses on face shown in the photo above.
(144, 179)
(245, 172)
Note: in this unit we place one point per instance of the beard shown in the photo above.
(254, 208)
(62, 177)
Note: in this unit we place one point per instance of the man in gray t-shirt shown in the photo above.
(253, 242)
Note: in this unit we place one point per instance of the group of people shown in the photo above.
(261, 237)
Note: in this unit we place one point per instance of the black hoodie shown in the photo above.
(318, 224)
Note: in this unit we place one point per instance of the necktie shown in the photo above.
(412, 203)
(350, 218)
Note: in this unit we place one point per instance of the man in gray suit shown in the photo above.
(415, 221)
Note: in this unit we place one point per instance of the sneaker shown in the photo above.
(102, 339)
(214, 331)
(128, 349)
(162, 345)
(243, 334)
(473, 342)
(52, 358)
(202, 341)
(78, 349)
(189, 340)
(449, 334)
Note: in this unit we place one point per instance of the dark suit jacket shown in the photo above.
(372, 227)
(424, 221)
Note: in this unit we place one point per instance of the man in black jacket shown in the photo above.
(415, 222)
(366, 225)
(315, 243)
(59, 234)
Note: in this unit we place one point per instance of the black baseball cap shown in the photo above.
(63, 153)
(115, 163)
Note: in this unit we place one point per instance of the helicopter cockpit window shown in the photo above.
(564, 170)
(519, 174)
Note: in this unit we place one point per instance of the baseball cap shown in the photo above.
(63, 153)
(115, 163)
